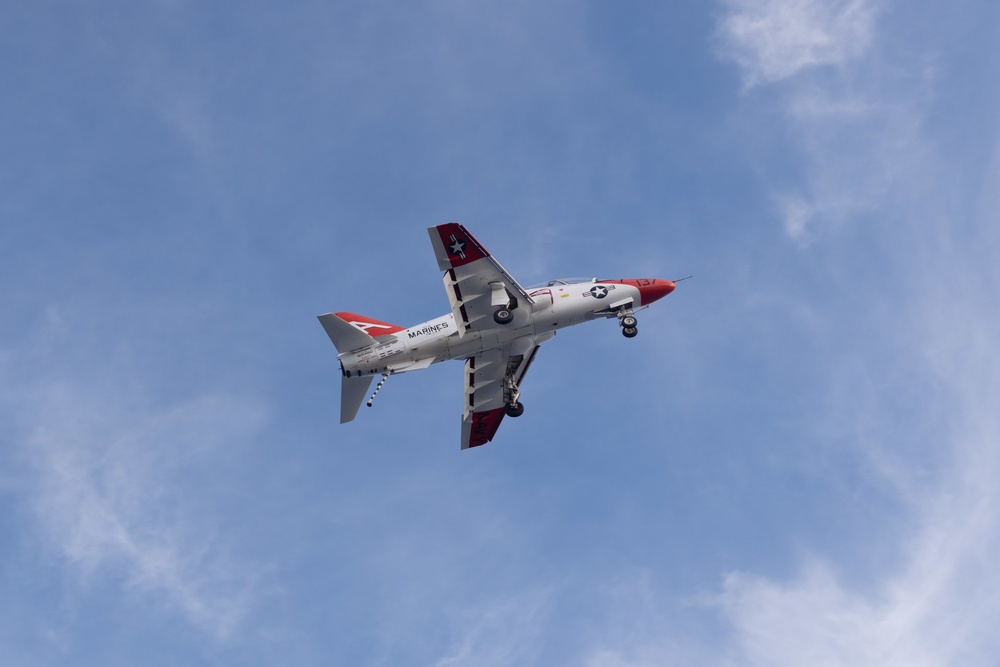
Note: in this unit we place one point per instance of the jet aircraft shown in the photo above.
(495, 326)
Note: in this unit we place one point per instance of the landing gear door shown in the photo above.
(499, 295)
(623, 303)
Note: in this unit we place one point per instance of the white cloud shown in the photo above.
(637, 633)
(773, 40)
(796, 214)
(115, 484)
(935, 601)
(855, 131)
(937, 606)
(501, 632)
(110, 497)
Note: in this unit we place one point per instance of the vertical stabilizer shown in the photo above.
(352, 395)
(345, 336)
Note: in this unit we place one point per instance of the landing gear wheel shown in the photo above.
(514, 410)
(629, 321)
(630, 332)
(503, 316)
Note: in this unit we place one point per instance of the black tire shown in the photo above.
(503, 316)
(515, 410)
(630, 332)
(629, 321)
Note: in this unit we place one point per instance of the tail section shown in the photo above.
(370, 326)
(354, 332)
(350, 332)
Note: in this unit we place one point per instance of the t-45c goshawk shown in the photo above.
(495, 326)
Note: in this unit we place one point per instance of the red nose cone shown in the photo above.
(651, 289)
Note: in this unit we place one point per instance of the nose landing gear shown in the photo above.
(628, 323)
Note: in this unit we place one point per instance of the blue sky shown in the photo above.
(794, 463)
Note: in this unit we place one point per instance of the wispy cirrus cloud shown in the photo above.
(772, 40)
(113, 484)
(938, 604)
(867, 151)
(933, 600)
(109, 498)
(500, 632)
(856, 124)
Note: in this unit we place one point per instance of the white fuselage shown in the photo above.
(555, 307)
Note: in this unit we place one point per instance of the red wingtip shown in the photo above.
(484, 426)
(461, 246)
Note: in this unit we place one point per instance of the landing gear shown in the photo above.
(514, 409)
(628, 323)
(503, 316)
(512, 406)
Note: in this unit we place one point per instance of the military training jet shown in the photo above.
(495, 326)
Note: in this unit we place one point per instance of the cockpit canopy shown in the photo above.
(563, 281)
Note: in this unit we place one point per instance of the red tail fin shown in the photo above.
(373, 328)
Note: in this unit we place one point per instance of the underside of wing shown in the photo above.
(476, 285)
(491, 384)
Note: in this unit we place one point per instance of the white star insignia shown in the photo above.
(457, 248)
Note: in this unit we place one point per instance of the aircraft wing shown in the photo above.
(485, 391)
(476, 284)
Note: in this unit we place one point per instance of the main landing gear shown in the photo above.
(503, 316)
(513, 407)
(628, 323)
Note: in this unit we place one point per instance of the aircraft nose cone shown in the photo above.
(652, 289)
